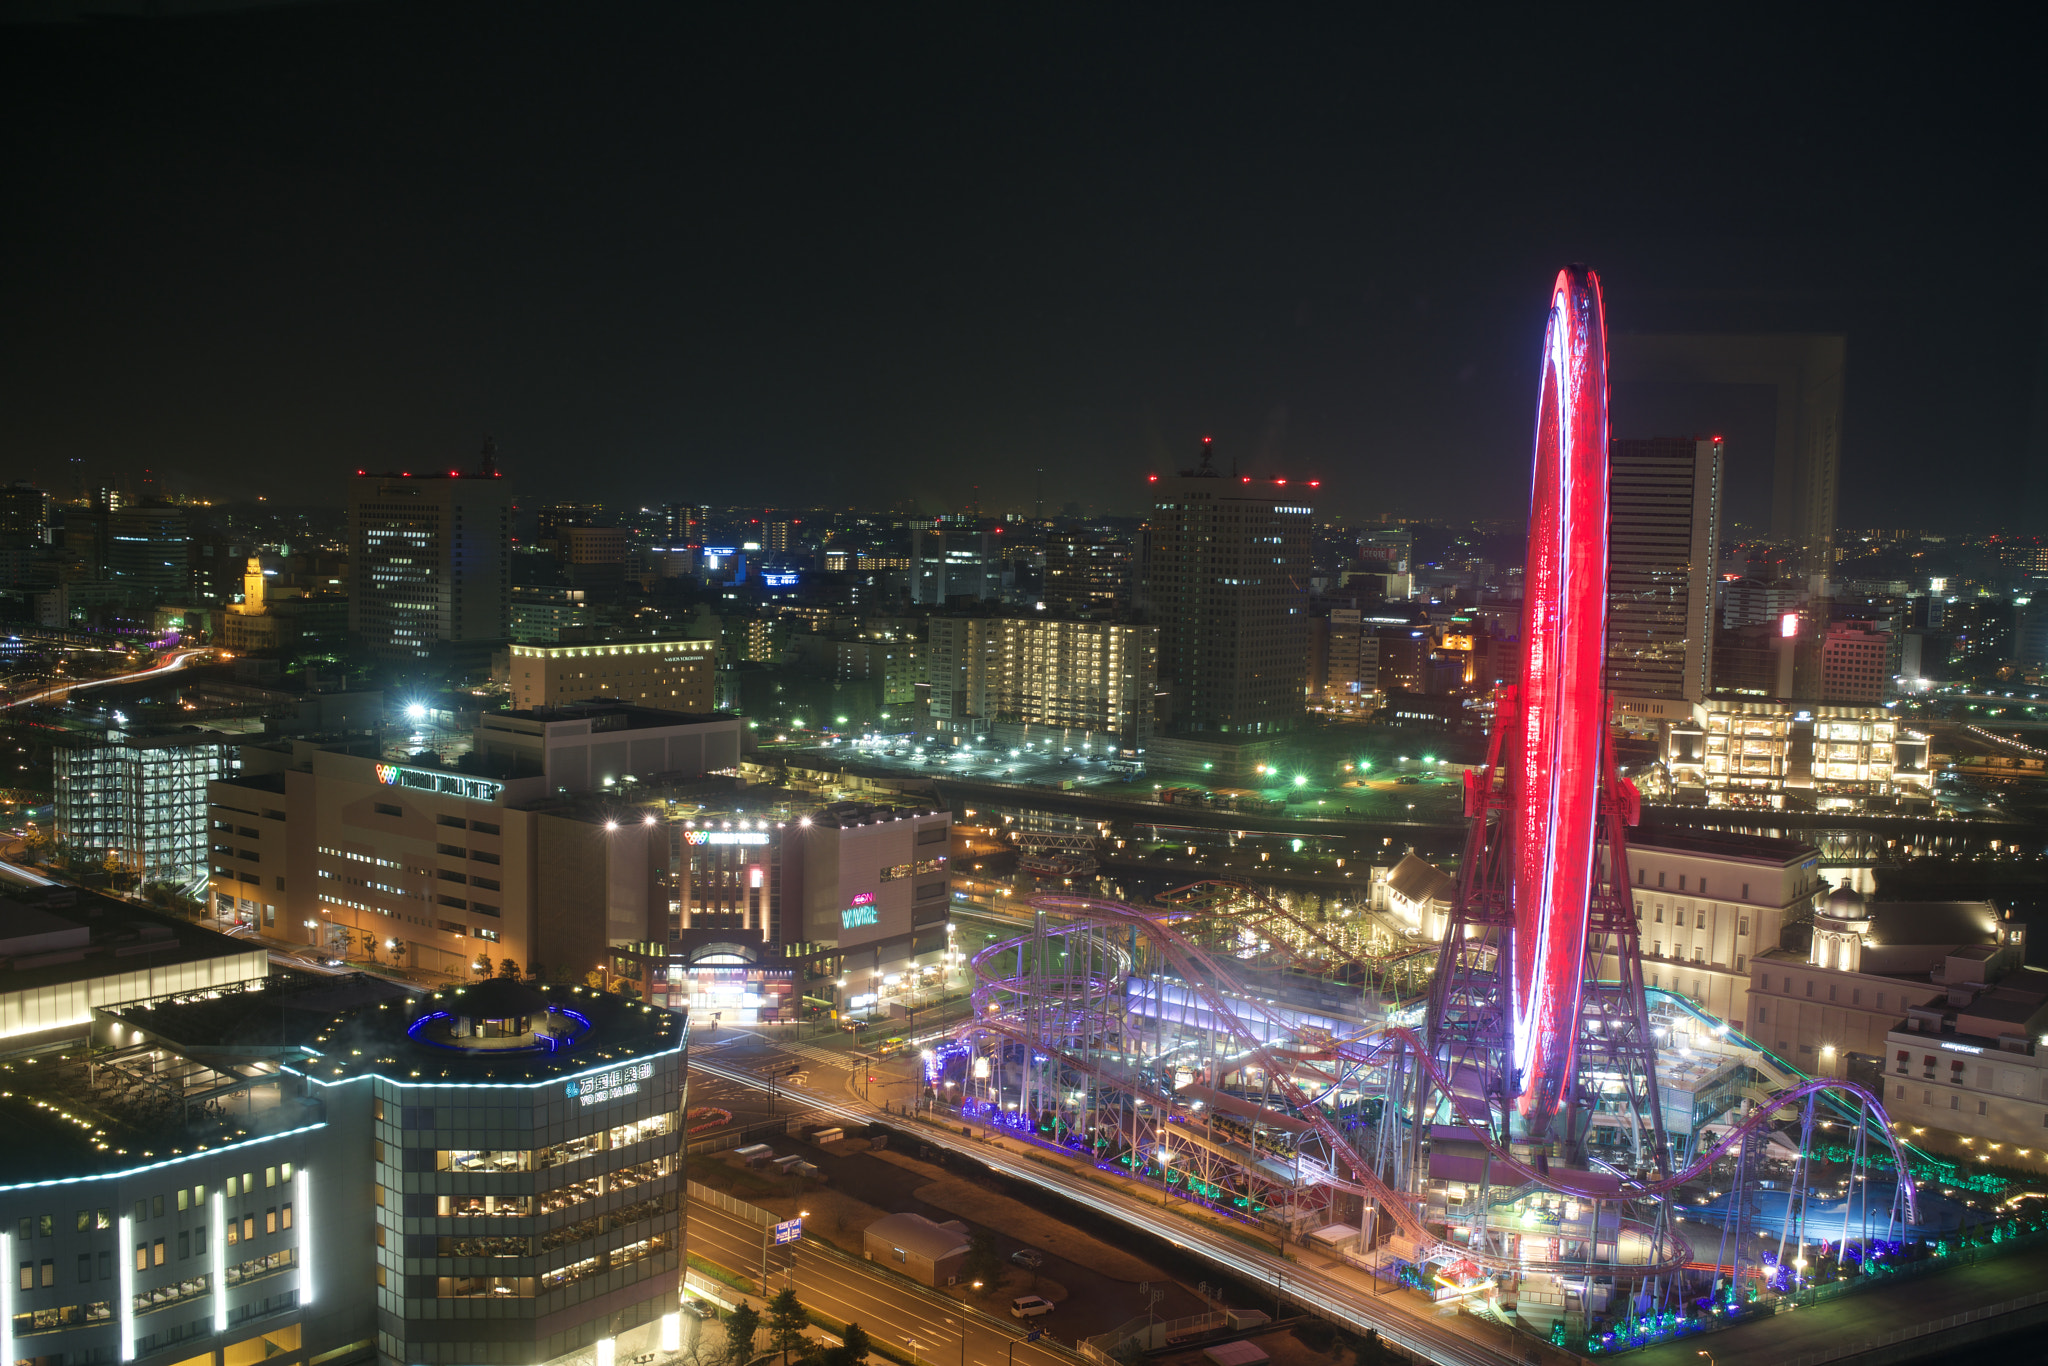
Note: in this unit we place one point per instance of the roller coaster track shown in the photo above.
(1201, 974)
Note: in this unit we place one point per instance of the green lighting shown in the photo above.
(1300, 781)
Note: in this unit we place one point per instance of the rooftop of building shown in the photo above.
(914, 1233)
(141, 1097)
(847, 815)
(1416, 879)
(603, 714)
(56, 936)
(1755, 848)
(580, 648)
(503, 1032)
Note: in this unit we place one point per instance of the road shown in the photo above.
(177, 659)
(1325, 1294)
(890, 1308)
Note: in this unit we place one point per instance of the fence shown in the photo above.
(1151, 1334)
(1920, 1330)
(739, 1209)
(739, 1138)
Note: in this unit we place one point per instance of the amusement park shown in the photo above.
(1498, 1109)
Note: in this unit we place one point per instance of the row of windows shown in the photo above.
(526, 1287)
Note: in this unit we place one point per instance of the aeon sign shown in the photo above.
(863, 911)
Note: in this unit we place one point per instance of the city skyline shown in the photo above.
(1190, 231)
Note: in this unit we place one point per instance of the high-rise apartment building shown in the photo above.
(1664, 496)
(429, 566)
(1227, 584)
(1087, 681)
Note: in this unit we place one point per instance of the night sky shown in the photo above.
(747, 253)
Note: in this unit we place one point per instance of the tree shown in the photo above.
(786, 1322)
(983, 1263)
(482, 966)
(536, 973)
(852, 1350)
(509, 968)
(740, 1326)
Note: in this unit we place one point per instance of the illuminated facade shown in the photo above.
(139, 801)
(1084, 683)
(671, 675)
(489, 1177)
(1770, 755)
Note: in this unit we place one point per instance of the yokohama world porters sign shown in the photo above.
(441, 784)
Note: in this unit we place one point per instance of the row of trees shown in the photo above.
(787, 1319)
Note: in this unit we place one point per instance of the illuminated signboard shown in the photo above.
(443, 784)
(779, 580)
(863, 911)
(604, 1087)
(725, 837)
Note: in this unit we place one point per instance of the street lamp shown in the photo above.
(1165, 1163)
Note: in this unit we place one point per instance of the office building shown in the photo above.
(1664, 522)
(542, 612)
(148, 552)
(953, 563)
(138, 801)
(1227, 580)
(1087, 574)
(1084, 685)
(1758, 602)
(670, 675)
(350, 1176)
(429, 568)
(1387, 549)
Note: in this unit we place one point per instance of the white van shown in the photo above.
(1029, 1306)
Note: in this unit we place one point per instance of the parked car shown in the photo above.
(1028, 1256)
(1029, 1306)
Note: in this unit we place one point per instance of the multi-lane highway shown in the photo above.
(1456, 1342)
(890, 1308)
(170, 663)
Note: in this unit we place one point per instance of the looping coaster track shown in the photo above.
(1067, 1016)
